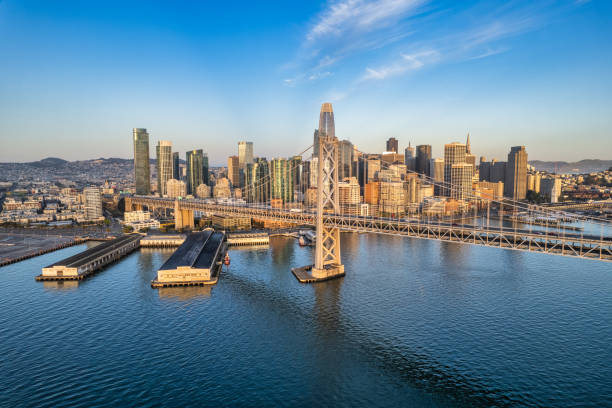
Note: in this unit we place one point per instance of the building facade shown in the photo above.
(142, 171)
(516, 173)
(164, 165)
(195, 169)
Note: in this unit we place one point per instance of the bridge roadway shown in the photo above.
(566, 244)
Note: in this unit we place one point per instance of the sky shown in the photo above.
(77, 76)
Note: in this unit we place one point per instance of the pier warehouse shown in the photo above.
(85, 263)
(195, 262)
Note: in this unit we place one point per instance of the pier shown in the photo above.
(196, 262)
(248, 239)
(162, 241)
(81, 265)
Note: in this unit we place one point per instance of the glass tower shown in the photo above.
(195, 170)
(164, 165)
(142, 172)
(282, 180)
(176, 166)
(326, 125)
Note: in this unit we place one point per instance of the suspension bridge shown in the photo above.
(327, 216)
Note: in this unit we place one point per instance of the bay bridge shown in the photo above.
(328, 219)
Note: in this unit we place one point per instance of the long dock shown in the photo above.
(83, 264)
(196, 262)
(162, 241)
(248, 239)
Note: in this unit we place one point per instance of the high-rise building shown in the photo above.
(551, 188)
(345, 159)
(176, 188)
(410, 158)
(93, 203)
(391, 145)
(164, 165)
(326, 125)
(176, 166)
(282, 180)
(454, 153)
(349, 197)
(195, 170)
(257, 181)
(461, 180)
(205, 173)
(245, 153)
(436, 173)
(516, 173)
(142, 171)
(423, 156)
(233, 170)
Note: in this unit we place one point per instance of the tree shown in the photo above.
(534, 198)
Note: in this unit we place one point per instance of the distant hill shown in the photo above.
(582, 166)
(49, 162)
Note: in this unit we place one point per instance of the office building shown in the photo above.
(164, 165)
(245, 153)
(257, 183)
(176, 166)
(142, 171)
(222, 188)
(410, 158)
(93, 203)
(345, 159)
(423, 156)
(454, 153)
(391, 145)
(533, 182)
(516, 173)
(282, 187)
(203, 191)
(233, 170)
(551, 189)
(326, 125)
(195, 169)
(176, 188)
(349, 197)
(461, 181)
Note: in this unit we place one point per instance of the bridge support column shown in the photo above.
(327, 252)
(182, 218)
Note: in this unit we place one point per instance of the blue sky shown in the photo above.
(75, 77)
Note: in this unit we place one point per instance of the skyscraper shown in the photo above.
(245, 153)
(205, 179)
(93, 203)
(326, 125)
(345, 159)
(164, 165)
(282, 180)
(257, 182)
(142, 172)
(176, 166)
(410, 158)
(436, 172)
(233, 170)
(454, 153)
(423, 156)
(516, 173)
(461, 180)
(195, 170)
(392, 145)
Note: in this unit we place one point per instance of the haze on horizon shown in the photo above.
(77, 76)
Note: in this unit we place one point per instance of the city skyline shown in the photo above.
(532, 75)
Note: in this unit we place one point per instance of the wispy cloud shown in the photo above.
(408, 62)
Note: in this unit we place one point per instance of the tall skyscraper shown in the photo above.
(392, 145)
(454, 153)
(176, 166)
(410, 158)
(345, 159)
(195, 170)
(164, 165)
(436, 172)
(516, 173)
(461, 179)
(233, 170)
(257, 183)
(326, 125)
(205, 178)
(245, 153)
(142, 172)
(423, 156)
(282, 180)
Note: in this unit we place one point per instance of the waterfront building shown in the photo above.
(454, 153)
(142, 171)
(233, 170)
(93, 203)
(176, 166)
(326, 125)
(461, 180)
(392, 145)
(176, 188)
(195, 169)
(423, 156)
(164, 165)
(516, 173)
(230, 222)
(245, 154)
(203, 191)
(282, 180)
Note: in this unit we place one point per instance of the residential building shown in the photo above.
(142, 171)
(164, 165)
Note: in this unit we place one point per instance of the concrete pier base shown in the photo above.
(308, 274)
